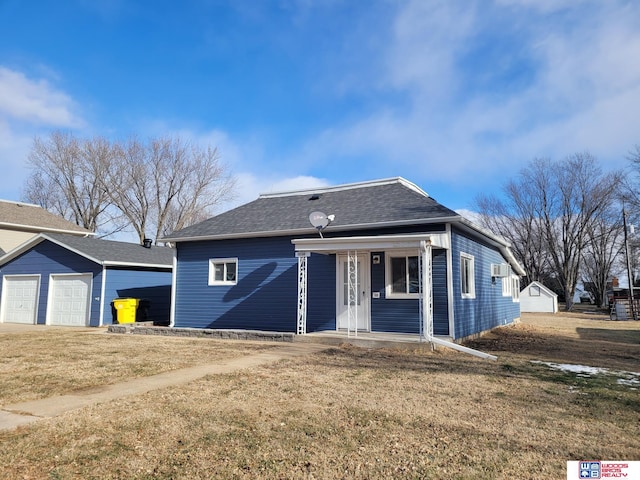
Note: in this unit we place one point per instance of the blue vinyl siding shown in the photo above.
(489, 308)
(440, 292)
(152, 285)
(403, 315)
(48, 258)
(321, 288)
(264, 298)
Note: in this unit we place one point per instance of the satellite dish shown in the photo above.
(319, 220)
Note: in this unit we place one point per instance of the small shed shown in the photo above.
(537, 298)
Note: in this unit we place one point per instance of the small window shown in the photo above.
(402, 276)
(223, 271)
(506, 286)
(467, 273)
(515, 288)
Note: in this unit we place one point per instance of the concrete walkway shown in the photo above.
(14, 415)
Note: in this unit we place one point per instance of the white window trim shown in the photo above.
(212, 271)
(515, 288)
(472, 279)
(387, 273)
(506, 286)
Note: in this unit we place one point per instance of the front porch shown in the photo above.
(406, 290)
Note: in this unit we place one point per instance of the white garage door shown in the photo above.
(69, 300)
(20, 298)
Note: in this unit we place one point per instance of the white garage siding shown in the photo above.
(69, 300)
(20, 298)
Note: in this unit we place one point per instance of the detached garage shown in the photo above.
(58, 279)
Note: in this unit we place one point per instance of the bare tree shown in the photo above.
(514, 218)
(550, 212)
(167, 184)
(67, 178)
(156, 187)
(602, 256)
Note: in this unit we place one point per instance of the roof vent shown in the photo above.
(146, 243)
(315, 196)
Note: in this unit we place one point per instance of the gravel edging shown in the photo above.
(221, 334)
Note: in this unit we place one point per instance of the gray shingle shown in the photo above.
(384, 202)
(111, 251)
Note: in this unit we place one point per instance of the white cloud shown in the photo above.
(27, 107)
(572, 83)
(245, 160)
(249, 186)
(35, 101)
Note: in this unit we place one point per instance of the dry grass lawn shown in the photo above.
(343, 413)
(36, 365)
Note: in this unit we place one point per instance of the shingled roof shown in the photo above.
(29, 217)
(103, 252)
(379, 203)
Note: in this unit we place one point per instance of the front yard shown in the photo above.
(343, 413)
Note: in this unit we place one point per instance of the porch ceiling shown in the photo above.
(370, 243)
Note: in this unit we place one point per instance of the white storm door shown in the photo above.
(356, 283)
(20, 298)
(69, 297)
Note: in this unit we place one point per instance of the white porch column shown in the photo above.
(426, 292)
(302, 292)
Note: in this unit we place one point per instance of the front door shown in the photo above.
(353, 291)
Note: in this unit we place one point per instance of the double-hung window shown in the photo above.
(402, 276)
(467, 276)
(223, 271)
(515, 288)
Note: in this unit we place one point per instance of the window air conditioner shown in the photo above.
(500, 270)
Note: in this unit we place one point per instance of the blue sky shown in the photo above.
(455, 96)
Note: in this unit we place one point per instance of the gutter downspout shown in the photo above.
(463, 349)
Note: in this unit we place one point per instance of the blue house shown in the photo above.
(59, 279)
(377, 256)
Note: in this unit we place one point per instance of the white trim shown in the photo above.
(174, 276)
(472, 276)
(506, 286)
(347, 186)
(515, 288)
(103, 289)
(51, 299)
(224, 261)
(370, 243)
(388, 255)
(450, 299)
(163, 266)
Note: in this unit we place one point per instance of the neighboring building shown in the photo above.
(20, 222)
(57, 279)
(535, 297)
(385, 257)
